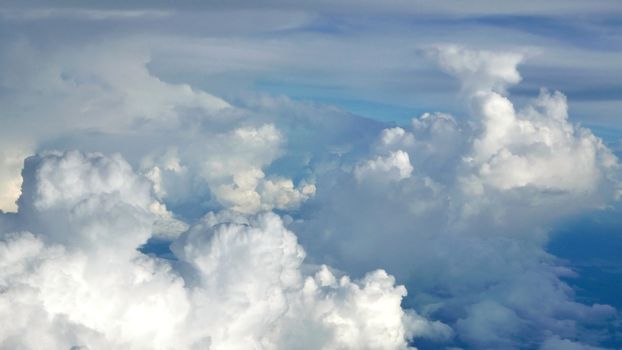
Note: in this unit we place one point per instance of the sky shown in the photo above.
(310, 175)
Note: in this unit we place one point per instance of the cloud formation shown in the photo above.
(464, 215)
(72, 275)
(456, 206)
(535, 147)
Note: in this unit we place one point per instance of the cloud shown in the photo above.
(11, 161)
(467, 224)
(451, 7)
(233, 169)
(236, 282)
(396, 165)
(82, 90)
(555, 343)
(538, 147)
(479, 70)
(457, 207)
(220, 151)
(534, 147)
(80, 14)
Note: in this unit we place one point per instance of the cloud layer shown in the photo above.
(456, 206)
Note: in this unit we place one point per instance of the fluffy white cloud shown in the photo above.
(479, 70)
(82, 89)
(394, 166)
(237, 282)
(534, 147)
(233, 169)
(11, 161)
(467, 223)
(179, 135)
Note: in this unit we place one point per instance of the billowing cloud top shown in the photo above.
(72, 275)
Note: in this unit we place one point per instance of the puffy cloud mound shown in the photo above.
(11, 160)
(534, 147)
(479, 69)
(82, 88)
(233, 169)
(395, 165)
(537, 147)
(191, 143)
(464, 209)
(71, 275)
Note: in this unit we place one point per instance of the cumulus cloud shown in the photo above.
(533, 147)
(467, 223)
(11, 161)
(72, 275)
(538, 147)
(80, 90)
(396, 165)
(479, 70)
(190, 143)
(233, 169)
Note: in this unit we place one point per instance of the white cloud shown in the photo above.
(184, 139)
(239, 281)
(11, 160)
(479, 70)
(82, 90)
(394, 166)
(467, 224)
(535, 147)
(233, 169)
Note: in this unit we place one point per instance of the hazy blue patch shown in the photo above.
(340, 97)
(592, 246)
(159, 248)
